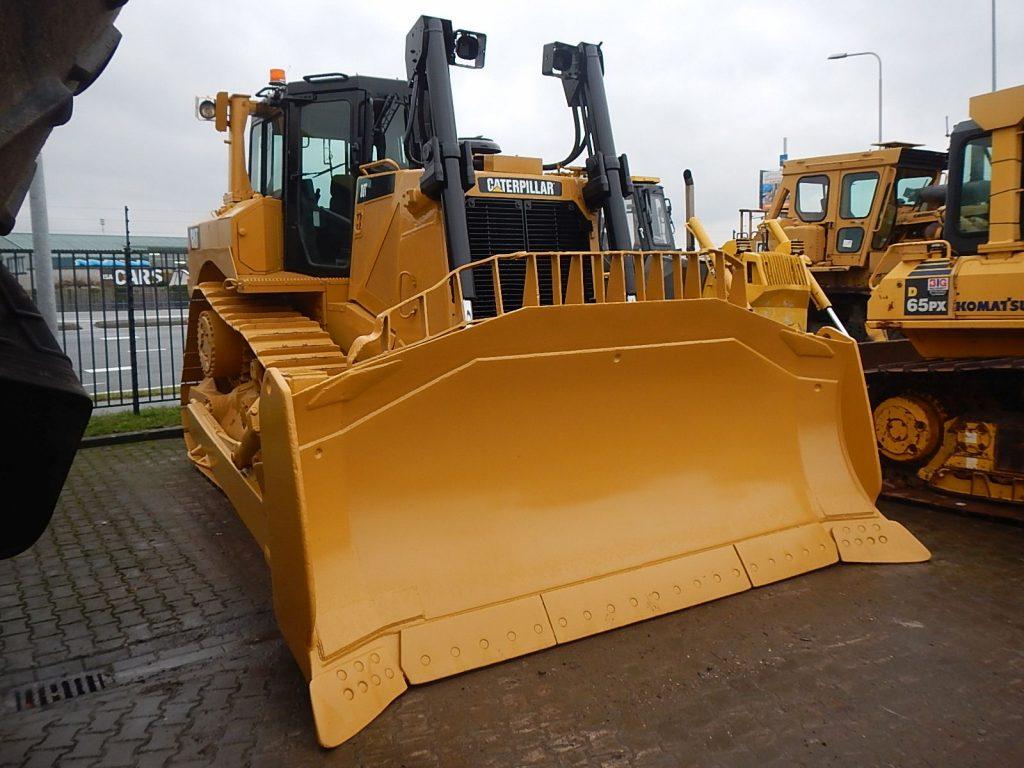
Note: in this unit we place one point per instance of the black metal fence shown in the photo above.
(121, 319)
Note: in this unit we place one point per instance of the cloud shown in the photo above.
(713, 86)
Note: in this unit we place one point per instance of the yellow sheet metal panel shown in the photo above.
(613, 601)
(543, 440)
(453, 644)
(513, 164)
(782, 554)
(999, 109)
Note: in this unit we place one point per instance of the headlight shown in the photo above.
(206, 108)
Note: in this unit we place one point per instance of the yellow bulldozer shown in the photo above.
(952, 410)
(943, 265)
(844, 211)
(459, 428)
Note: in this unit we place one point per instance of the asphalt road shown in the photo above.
(102, 355)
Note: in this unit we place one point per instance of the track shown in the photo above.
(278, 335)
(924, 496)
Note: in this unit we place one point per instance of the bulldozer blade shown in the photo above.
(546, 475)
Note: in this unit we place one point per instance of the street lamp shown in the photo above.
(879, 60)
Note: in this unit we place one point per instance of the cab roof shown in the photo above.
(891, 154)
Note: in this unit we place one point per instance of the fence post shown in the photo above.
(129, 294)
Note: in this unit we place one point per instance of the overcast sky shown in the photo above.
(709, 85)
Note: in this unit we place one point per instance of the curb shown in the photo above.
(163, 433)
(142, 322)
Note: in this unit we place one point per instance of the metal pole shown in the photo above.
(689, 208)
(993, 45)
(42, 258)
(879, 59)
(130, 296)
(442, 120)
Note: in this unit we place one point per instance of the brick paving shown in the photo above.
(147, 577)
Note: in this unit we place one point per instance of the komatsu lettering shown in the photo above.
(996, 305)
(507, 186)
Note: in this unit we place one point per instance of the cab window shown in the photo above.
(858, 194)
(812, 198)
(389, 130)
(909, 188)
(266, 155)
(273, 141)
(977, 176)
(634, 226)
(661, 222)
(326, 183)
(256, 155)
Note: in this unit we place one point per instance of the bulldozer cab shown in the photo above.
(970, 180)
(846, 209)
(984, 213)
(650, 215)
(307, 142)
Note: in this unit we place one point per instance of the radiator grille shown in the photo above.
(500, 225)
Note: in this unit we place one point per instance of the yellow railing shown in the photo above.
(441, 307)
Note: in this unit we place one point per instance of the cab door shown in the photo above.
(322, 159)
(812, 197)
(858, 200)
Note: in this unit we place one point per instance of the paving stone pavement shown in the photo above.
(147, 577)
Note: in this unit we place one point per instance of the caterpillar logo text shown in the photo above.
(507, 186)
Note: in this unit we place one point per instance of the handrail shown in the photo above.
(438, 309)
(384, 165)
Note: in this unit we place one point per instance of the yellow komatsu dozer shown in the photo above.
(950, 412)
(459, 430)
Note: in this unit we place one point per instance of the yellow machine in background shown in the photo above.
(955, 415)
(459, 429)
(779, 284)
(942, 331)
(842, 212)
